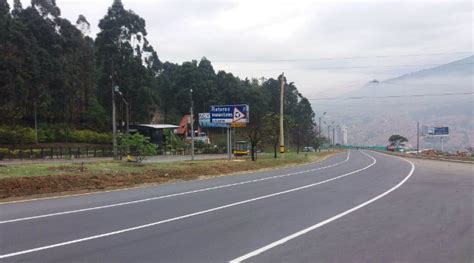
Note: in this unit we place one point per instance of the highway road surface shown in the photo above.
(357, 206)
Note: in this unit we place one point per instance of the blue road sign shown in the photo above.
(205, 121)
(229, 114)
(438, 131)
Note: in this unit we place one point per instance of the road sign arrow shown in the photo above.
(238, 115)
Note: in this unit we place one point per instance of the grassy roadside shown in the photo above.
(57, 178)
(433, 157)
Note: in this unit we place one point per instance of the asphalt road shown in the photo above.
(353, 207)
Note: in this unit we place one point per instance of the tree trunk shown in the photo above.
(252, 150)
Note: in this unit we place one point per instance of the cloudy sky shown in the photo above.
(325, 47)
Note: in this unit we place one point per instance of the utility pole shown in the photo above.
(36, 124)
(329, 134)
(333, 135)
(127, 115)
(417, 137)
(282, 133)
(114, 125)
(192, 127)
(127, 109)
(319, 134)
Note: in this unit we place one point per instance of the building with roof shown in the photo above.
(156, 132)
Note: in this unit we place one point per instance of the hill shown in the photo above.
(410, 99)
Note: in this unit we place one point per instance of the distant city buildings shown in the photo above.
(340, 136)
(343, 133)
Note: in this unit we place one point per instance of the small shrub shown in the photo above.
(139, 143)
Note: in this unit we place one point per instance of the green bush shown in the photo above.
(87, 136)
(16, 135)
(24, 153)
(51, 134)
(138, 144)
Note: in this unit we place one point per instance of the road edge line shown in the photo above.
(149, 186)
(13, 254)
(324, 222)
(171, 195)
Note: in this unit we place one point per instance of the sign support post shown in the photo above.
(442, 146)
(229, 144)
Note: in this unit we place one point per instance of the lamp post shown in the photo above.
(334, 133)
(127, 109)
(329, 133)
(319, 132)
(333, 137)
(114, 125)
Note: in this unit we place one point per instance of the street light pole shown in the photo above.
(192, 127)
(127, 109)
(417, 137)
(329, 135)
(127, 115)
(36, 124)
(114, 125)
(333, 136)
(282, 133)
(319, 132)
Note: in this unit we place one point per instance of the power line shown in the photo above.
(415, 86)
(335, 58)
(395, 96)
(405, 103)
(357, 67)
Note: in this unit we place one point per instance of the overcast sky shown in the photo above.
(243, 37)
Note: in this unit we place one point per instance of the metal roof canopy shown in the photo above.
(158, 126)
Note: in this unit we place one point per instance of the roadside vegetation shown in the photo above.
(55, 178)
(59, 77)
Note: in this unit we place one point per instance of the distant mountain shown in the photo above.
(462, 67)
(372, 121)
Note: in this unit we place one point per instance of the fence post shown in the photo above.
(31, 153)
(51, 153)
(21, 154)
(61, 152)
(78, 152)
(42, 153)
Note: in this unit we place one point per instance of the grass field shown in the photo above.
(47, 178)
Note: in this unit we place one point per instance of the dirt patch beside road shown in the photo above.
(40, 180)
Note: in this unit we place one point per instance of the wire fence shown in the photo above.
(77, 152)
(50, 153)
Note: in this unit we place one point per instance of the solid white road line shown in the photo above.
(322, 223)
(168, 196)
(185, 216)
(100, 192)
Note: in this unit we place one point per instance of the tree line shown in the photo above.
(52, 70)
